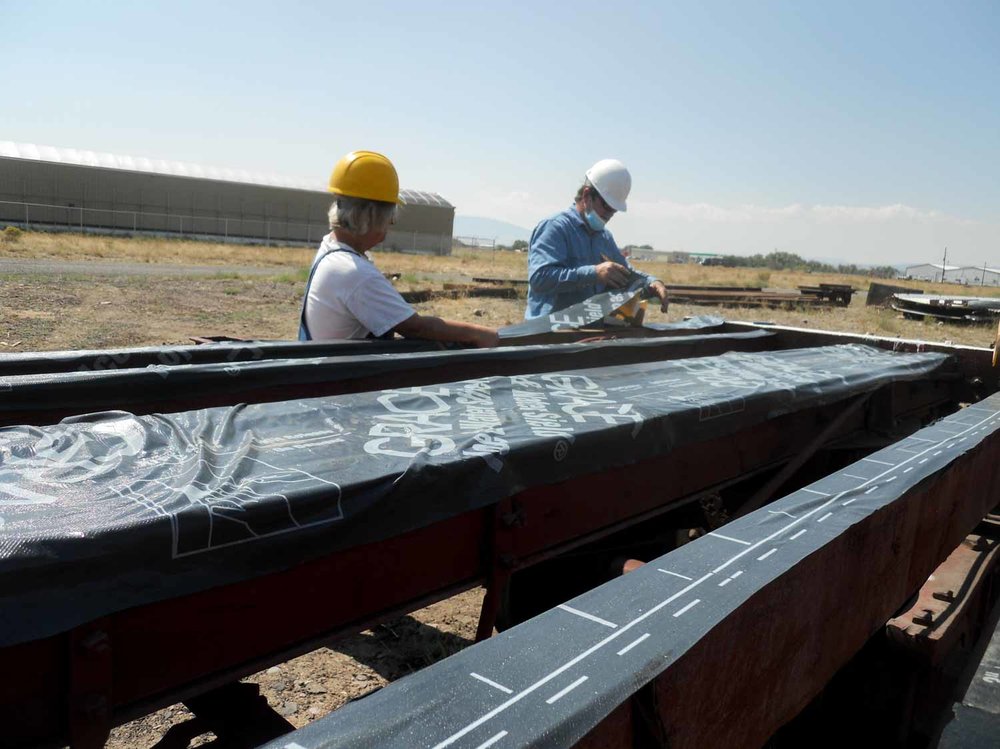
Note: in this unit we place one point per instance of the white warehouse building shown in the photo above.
(972, 275)
(930, 271)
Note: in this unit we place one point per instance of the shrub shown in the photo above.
(11, 234)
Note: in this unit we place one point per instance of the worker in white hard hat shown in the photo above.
(572, 256)
(346, 296)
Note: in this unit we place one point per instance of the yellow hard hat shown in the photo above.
(366, 174)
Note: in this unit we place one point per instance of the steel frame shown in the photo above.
(76, 685)
(798, 650)
(203, 641)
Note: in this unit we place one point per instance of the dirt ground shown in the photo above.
(45, 307)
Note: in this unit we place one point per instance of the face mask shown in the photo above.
(594, 221)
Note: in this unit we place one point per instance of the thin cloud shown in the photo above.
(754, 214)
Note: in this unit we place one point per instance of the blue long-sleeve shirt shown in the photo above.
(562, 256)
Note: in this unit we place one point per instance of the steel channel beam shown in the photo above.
(770, 611)
(765, 662)
(203, 640)
(162, 393)
(980, 378)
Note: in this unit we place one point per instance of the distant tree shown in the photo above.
(791, 261)
(519, 244)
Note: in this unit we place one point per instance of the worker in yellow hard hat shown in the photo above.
(346, 296)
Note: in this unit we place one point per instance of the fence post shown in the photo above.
(27, 223)
(226, 229)
(269, 232)
(81, 219)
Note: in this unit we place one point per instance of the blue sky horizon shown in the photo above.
(862, 131)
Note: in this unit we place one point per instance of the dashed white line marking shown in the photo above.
(923, 460)
(963, 439)
(820, 520)
(585, 615)
(880, 462)
(907, 470)
(782, 512)
(675, 574)
(937, 453)
(850, 501)
(517, 697)
(492, 683)
(852, 476)
(765, 555)
(632, 644)
(891, 478)
(798, 534)
(563, 692)
(729, 579)
(687, 608)
(813, 491)
(869, 491)
(729, 538)
(492, 740)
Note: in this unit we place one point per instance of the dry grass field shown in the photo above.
(49, 307)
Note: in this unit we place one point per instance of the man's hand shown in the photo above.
(658, 288)
(487, 338)
(613, 274)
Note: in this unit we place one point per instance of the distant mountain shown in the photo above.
(480, 226)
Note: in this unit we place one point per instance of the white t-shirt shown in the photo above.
(349, 297)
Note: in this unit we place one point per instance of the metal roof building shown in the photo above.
(929, 271)
(62, 188)
(972, 275)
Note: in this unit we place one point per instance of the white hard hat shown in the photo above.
(612, 181)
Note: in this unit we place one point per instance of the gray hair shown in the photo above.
(359, 216)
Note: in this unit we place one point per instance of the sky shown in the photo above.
(866, 132)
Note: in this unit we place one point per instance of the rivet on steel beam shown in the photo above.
(631, 565)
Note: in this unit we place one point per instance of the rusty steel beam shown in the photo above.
(767, 660)
(720, 642)
(950, 602)
(202, 640)
(29, 400)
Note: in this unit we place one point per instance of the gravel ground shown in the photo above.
(312, 685)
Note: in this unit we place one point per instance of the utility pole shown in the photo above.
(984, 274)
(944, 264)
